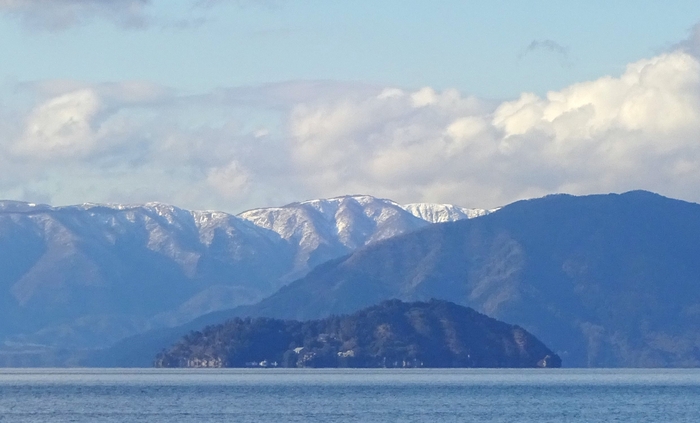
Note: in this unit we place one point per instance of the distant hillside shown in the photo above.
(603, 280)
(82, 277)
(392, 334)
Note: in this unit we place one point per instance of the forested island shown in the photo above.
(391, 334)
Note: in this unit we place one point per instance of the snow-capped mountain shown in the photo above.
(438, 213)
(87, 275)
(90, 274)
(319, 230)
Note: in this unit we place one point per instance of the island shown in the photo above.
(389, 335)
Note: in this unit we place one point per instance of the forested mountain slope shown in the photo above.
(82, 277)
(391, 334)
(603, 280)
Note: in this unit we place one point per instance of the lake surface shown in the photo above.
(263, 395)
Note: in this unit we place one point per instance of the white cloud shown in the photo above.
(247, 147)
(230, 181)
(75, 121)
(615, 133)
(61, 126)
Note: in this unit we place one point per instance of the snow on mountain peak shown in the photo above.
(325, 228)
(438, 213)
(157, 258)
(314, 230)
(358, 198)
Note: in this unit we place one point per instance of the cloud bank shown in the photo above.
(253, 146)
(58, 15)
(62, 14)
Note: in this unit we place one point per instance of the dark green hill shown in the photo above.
(392, 334)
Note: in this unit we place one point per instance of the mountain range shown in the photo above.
(603, 280)
(83, 277)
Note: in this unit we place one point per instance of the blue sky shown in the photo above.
(239, 104)
(476, 47)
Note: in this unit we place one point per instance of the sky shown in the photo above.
(239, 104)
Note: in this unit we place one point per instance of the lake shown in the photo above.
(309, 395)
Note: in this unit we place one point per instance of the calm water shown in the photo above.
(279, 396)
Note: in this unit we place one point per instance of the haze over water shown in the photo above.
(451, 395)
